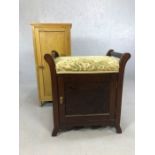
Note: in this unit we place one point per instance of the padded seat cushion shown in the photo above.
(86, 64)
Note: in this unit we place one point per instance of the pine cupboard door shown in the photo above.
(48, 39)
(86, 99)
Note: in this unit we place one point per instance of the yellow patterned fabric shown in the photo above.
(86, 64)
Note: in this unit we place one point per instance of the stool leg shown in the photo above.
(118, 129)
(54, 132)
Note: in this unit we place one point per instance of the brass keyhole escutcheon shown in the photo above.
(61, 99)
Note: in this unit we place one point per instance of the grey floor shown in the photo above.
(36, 124)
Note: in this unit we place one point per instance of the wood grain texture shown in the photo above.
(48, 37)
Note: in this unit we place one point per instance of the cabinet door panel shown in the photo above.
(86, 97)
(48, 41)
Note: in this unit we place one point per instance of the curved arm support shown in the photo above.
(50, 60)
(124, 57)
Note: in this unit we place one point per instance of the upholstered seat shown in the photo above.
(86, 64)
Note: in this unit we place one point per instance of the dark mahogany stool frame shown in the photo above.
(62, 121)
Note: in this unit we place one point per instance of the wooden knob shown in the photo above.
(41, 66)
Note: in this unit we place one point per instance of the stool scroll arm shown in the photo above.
(54, 54)
(124, 57)
(50, 60)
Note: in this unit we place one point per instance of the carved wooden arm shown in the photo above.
(124, 57)
(50, 60)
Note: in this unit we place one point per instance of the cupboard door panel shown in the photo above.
(49, 41)
(87, 97)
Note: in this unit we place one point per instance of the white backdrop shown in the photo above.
(97, 25)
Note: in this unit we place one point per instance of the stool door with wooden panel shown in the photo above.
(86, 98)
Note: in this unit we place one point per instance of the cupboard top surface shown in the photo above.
(58, 25)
